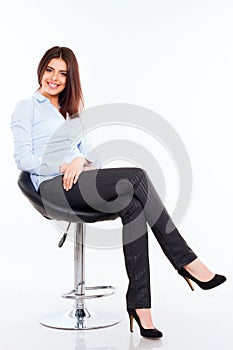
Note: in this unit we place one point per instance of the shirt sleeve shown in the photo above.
(86, 147)
(82, 145)
(21, 125)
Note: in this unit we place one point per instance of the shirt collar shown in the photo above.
(39, 97)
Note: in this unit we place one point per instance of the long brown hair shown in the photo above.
(71, 98)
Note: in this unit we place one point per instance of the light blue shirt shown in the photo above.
(44, 140)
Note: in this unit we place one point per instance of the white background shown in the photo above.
(173, 57)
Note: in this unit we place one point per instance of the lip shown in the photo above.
(53, 85)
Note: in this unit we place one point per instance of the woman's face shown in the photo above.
(54, 78)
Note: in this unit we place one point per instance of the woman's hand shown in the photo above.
(72, 171)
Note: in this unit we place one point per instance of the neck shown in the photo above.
(53, 99)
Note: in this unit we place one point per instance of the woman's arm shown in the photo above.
(21, 125)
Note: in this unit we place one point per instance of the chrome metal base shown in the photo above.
(80, 319)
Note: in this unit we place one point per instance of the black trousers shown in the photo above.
(129, 193)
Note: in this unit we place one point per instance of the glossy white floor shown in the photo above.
(193, 321)
(34, 274)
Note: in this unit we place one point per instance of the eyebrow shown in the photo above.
(62, 70)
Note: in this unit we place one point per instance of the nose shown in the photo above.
(54, 76)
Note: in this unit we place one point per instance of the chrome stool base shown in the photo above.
(80, 319)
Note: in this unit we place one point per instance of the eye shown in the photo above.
(48, 70)
(64, 74)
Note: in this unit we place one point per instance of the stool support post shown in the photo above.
(79, 258)
(80, 317)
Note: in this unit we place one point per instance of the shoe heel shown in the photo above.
(189, 283)
(131, 323)
(212, 283)
(148, 333)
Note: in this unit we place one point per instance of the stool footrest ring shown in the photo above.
(73, 294)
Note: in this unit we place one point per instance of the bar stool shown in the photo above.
(80, 317)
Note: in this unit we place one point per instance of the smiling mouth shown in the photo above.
(53, 86)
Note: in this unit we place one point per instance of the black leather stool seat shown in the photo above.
(54, 212)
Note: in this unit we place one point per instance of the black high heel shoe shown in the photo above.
(148, 333)
(214, 282)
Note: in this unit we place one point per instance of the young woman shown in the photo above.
(34, 123)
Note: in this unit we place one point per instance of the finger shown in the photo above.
(67, 180)
(78, 172)
(70, 184)
(65, 183)
(73, 179)
(76, 177)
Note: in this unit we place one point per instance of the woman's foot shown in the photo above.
(145, 323)
(201, 275)
(199, 270)
(145, 318)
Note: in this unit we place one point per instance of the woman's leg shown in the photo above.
(125, 186)
(135, 247)
(172, 243)
(139, 203)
